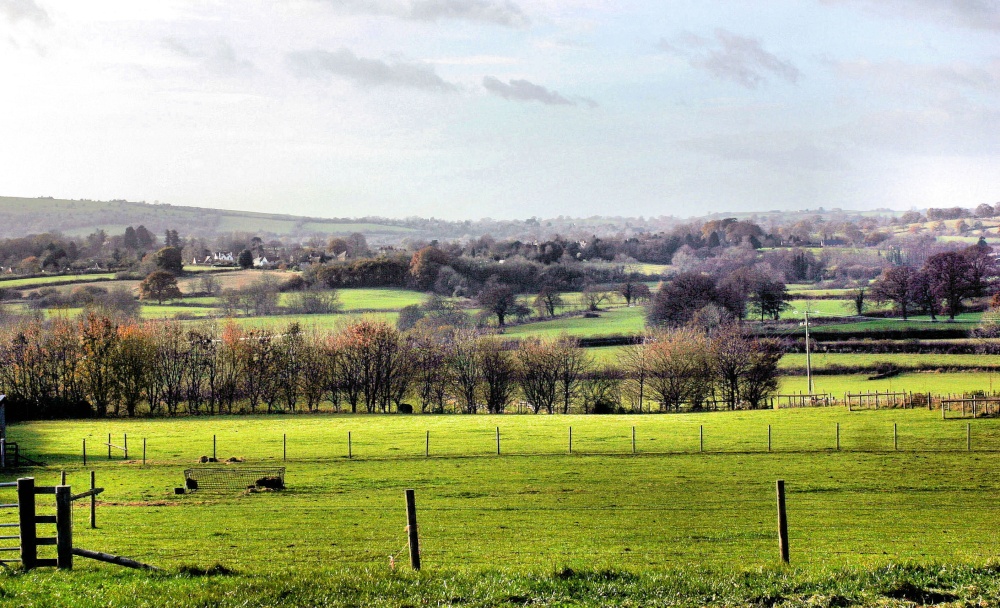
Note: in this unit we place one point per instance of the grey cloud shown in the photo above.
(368, 72)
(522, 90)
(973, 14)
(24, 10)
(219, 56)
(495, 12)
(905, 78)
(731, 57)
(788, 151)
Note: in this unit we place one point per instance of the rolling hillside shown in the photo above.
(20, 216)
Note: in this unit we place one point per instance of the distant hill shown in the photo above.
(21, 216)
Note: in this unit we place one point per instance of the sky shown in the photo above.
(465, 109)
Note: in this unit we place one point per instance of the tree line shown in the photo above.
(940, 285)
(97, 366)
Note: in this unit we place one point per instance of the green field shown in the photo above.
(536, 506)
(379, 299)
(616, 321)
(62, 279)
(667, 526)
(963, 321)
(917, 382)
(902, 360)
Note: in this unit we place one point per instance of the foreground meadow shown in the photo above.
(666, 525)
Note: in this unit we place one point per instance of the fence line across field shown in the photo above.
(702, 439)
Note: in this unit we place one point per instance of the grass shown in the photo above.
(379, 299)
(963, 321)
(824, 308)
(332, 322)
(917, 382)
(537, 506)
(902, 360)
(667, 526)
(63, 279)
(615, 321)
(889, 585)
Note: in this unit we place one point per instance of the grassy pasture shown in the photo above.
(963, 321)
(537, 507)
(611, 322)
(917, 382)
(385, 299)
(58, 279)
(234, 280)
(903, 360)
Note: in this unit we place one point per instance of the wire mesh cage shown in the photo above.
(234, 479)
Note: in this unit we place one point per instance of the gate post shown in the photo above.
(64, 528)
(26, 519)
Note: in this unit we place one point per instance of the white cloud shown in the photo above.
(24, 10)
(496, 12)
(972, 14)
(522, 90)
(365, 72)
(218, 56)
(730, 56)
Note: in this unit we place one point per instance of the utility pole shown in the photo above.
(809, 372)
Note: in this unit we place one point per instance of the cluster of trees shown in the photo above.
(942, 283)
(692, 298)
(97, 366)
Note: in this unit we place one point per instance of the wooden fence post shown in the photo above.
(93, 499)
(84, 451)
(109, 446)
(498, 441)
(64, 528)
(411, 530)
(782, 522)
(62, 478)
(125, 444)
(350, 453)
(895, 438)
(26, 518)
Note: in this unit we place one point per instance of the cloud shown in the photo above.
(219, 57)
(368, 72)
(495, 12)
(522, 90)
(24, 10)
(973, 14)
(906, 78)
(731, 57)
(781, 150)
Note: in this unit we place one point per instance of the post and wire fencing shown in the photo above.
(676, 436)
(758, 523)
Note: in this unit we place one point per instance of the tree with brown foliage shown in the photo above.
(160, 285)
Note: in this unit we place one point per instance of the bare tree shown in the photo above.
(499, 373)
(539, 363)
(634, 358)
(602, 390)
(574, 363)
(679, 368)
(466, 372)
